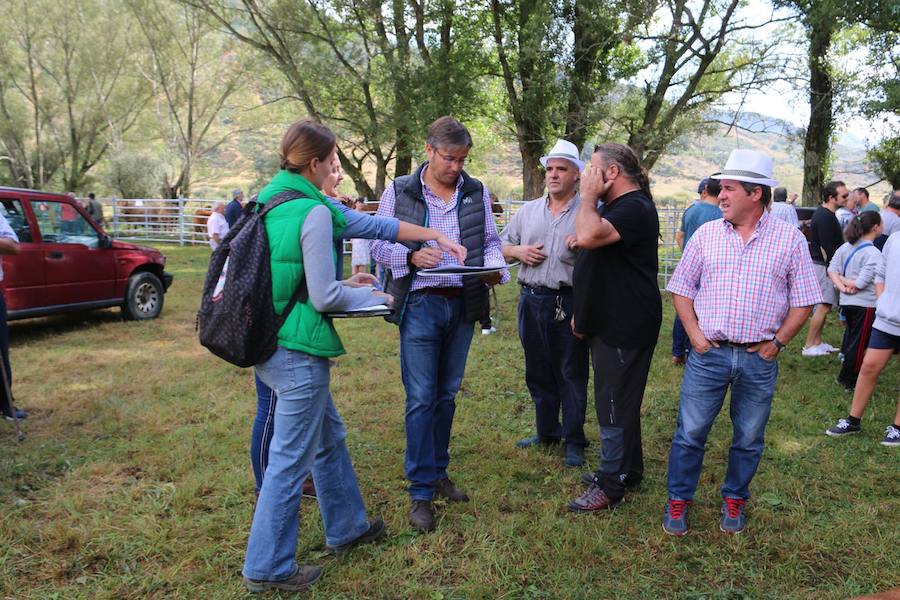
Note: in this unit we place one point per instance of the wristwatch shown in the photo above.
(778, 344)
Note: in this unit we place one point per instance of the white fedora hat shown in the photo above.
(749, 166)
(566, 150)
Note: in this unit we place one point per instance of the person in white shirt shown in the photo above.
(217, 225)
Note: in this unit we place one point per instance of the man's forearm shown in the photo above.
(794, 320)
(590, 228)
(684, 306)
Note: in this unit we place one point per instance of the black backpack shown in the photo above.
(237, 319)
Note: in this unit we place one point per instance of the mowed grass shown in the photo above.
(134, 481)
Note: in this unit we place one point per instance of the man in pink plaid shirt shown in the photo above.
(743, 289)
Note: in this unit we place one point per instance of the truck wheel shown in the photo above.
(143, 297)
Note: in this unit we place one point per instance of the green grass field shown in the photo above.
(135, 482)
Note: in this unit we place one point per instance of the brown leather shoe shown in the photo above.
(444, 487)
(592, 500)
(421, 516)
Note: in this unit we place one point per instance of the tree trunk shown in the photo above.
(532, 172)
(817, 144)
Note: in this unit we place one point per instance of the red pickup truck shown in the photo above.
(68, 263)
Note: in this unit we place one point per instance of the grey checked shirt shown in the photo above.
(533, 224)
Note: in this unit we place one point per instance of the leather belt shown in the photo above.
(735, 344)
(539, 289)
(446, 292)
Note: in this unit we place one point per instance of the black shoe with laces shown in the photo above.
(843, 427)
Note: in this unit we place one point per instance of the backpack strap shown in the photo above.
(301, 294)
(855, 250)
(279, 199)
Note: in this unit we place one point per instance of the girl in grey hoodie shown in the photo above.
(884, 343)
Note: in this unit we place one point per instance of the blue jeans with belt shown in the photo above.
(434, 345)
(263, 425)
(556, 364)
(707, 378)
(308, 436)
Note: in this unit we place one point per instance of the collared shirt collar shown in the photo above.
(459, 181)
(760, 224)
(572, 201)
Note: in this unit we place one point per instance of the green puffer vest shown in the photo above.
(305, 329)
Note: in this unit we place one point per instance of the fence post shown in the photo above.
(181, 220)
(115, 222)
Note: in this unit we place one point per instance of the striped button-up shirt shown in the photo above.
(442, 217)
(742, 291)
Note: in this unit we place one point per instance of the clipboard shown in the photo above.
(380, 310)
(463, 270)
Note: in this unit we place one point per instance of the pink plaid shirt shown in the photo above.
(742, 292)
(442, 217)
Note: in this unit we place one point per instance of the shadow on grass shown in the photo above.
(32, 330)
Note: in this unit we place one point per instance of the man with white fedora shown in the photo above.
(743, 289)
(541, 236)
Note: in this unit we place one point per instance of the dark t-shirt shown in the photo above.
(824, 232)
(616, 291)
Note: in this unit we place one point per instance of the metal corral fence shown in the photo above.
(183, 221)
(178, 221)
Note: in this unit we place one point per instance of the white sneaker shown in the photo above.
(814, 351)
(489, 331)
(828, 347)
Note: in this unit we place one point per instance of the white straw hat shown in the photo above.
(749, 166)
(566, 150)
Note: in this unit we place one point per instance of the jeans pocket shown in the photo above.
(415, 299)
(766, 360)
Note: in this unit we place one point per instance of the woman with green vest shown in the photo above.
(308, 433)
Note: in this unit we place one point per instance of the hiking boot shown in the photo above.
(375, 532)
(733, 519)
(592, 500)
(574, 456)
(444, 487)
(590, 478)
(675, 520)
(421, 516)
(678, 360)
(302, 577)
(630, 482)
(843, 427)
(891, 436)
(534, 441)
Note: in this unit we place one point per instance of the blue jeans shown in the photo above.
(308, 435)
(556, 365)
(706, 379)
(434, 345)
(263, 425)
(681, 343)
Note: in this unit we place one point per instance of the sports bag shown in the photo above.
(237, 320)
